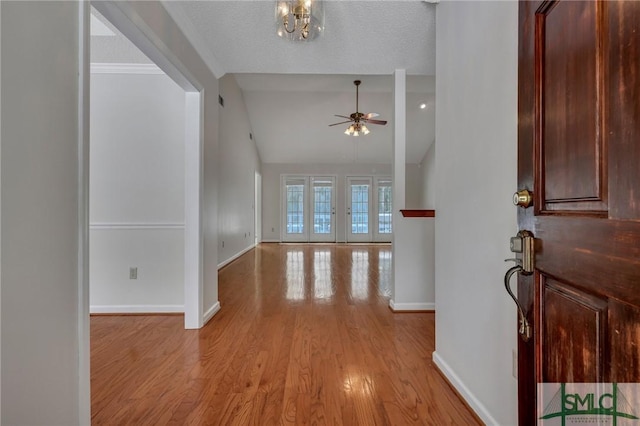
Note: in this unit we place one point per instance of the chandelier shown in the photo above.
(300, 20)
(355, 129)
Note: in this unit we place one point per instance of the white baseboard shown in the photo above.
(136, 309)
(234, 257)
(135, 226)
(399, 307)
(270, 240)
(463, 390)
(210, 313)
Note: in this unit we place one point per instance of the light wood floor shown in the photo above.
(305, 336)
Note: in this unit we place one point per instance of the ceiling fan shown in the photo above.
(358, 120)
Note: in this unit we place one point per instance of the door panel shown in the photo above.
(572, 334)
(359, 205)
(294, 227)
(569, 106)
(579, 146)
(323, 217)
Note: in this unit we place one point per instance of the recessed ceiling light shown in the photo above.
(423, 106)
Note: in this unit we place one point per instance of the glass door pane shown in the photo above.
(323, 209)
(359, 209)
(294, 198)
(384, 210)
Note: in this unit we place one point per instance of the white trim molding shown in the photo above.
(105, 226)
(137, 309)
(84, 136)
(210, 313)
(463, 390)
(114, 68)
(399, 307)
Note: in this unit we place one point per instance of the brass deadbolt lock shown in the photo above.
(523, 198)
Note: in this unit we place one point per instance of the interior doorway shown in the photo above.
(188, 222)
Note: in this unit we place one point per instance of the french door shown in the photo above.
(369, 209)
(309, 209)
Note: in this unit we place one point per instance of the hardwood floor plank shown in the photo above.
(305, 336)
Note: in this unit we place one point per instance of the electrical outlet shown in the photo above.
(273, 229)
(514, 363)
(223, 244)
(133, 273)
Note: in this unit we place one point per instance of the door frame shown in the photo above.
(194, 156)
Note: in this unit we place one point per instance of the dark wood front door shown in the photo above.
(579, 153)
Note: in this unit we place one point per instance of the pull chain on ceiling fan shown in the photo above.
(358, 120)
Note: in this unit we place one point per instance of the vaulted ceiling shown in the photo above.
(293, 89)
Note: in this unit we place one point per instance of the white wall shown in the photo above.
(413, 186)
(271, 173)
(41, 156)
(476, 132)
(137, 193)
(238, 162)
(427, 179)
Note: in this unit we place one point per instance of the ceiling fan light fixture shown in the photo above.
(356, 129)
(299, 20)
(357, 119)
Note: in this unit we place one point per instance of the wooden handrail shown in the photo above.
(418, 213)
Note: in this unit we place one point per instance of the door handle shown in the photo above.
(523, 246)
(523, 198)
(524, 329)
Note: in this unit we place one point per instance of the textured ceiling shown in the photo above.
(112, 48)
(360, 37)
(292, 90)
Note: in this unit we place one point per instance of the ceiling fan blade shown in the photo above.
(342, 122)
(383, 122)
(342, 116)
(371, 115)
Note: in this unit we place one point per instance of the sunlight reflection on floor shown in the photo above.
(310, 272)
